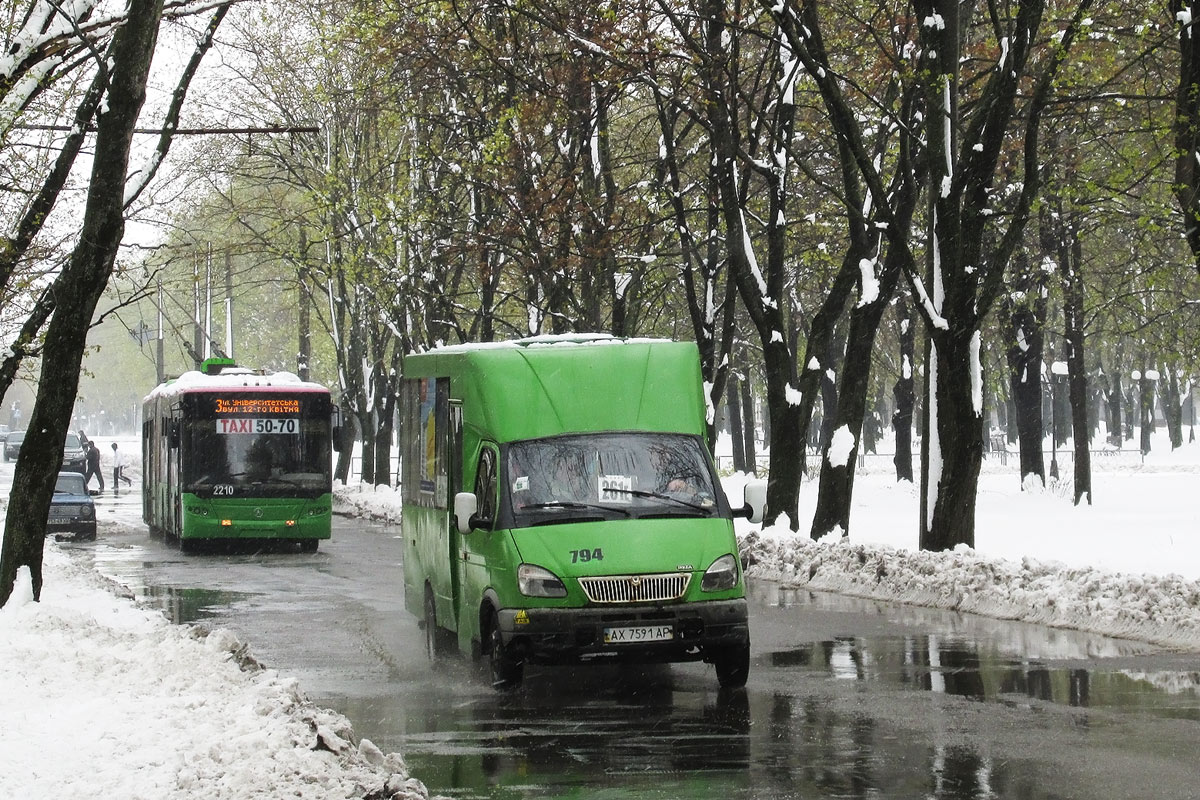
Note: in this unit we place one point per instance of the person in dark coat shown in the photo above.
(93, 465)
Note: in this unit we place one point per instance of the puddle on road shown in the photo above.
(976, 661)
(183, 605)
(623, 733)
(611, 733)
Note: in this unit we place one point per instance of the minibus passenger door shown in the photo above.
(472, 546)
(454, 455)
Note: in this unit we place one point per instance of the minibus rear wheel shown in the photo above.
(435, 643)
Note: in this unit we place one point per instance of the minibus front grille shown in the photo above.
(636, 588)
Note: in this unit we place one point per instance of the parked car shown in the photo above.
(74, 456)
(12, 444)
(72, 509)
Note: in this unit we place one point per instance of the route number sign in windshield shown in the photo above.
(257, 415)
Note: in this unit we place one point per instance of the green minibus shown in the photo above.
(560, 506)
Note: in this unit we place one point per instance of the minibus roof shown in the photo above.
(549, 385)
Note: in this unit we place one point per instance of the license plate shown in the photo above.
(642, 633)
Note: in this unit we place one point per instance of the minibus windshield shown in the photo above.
(609, 476)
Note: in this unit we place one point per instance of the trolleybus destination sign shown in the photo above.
(256, 415)
(256, 405)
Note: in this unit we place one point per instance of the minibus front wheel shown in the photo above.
(507, 670)
(733, 665)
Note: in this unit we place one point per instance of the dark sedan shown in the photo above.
(12, 444)
(72, 509)
(74, 455)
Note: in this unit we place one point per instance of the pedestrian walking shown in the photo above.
(119, 469)
(92, 465)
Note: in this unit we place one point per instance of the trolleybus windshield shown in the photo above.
(258, 445)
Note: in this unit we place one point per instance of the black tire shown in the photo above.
(507, 672)
(309, 545)
(435, 647)
(733, 666)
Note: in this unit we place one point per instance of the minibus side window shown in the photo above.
(485, 485)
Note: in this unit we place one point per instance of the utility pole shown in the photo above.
(208, 303)
(228, 303)
(198, 346)
(159, 356)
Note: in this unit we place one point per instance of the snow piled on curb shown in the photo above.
(1163, 610)
(381, 503)
(100, 694)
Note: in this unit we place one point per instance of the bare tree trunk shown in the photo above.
(1114, 393)
(733, 408)
(1146, 385)
(836, 489)
(747, 431)
(904, 394)
(1172, 406)
(1186, 124)
(761, 290)
(78, 290)
(1073, 295)
(341, 470)
(1027, 326)
(958, 447)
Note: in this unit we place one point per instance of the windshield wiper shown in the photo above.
(707, 511)
(572, 505)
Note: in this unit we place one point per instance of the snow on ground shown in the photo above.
(104, 699)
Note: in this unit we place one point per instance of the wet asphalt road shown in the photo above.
(847, 698)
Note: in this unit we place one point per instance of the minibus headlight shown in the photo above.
(535, 581)
(722, 575)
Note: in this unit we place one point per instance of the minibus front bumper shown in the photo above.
(642, 633)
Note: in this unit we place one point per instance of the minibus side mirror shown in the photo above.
(756, 501)
(465, 518)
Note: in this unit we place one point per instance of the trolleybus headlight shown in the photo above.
(226, 523)
(722, 575)
(535, 581)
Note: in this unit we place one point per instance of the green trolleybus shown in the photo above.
(561, 506)
(234, 455)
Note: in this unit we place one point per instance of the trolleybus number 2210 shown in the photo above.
(258, 425)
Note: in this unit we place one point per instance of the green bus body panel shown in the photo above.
(626, 547)
(256, 518)
(427, 557)
(523, 392)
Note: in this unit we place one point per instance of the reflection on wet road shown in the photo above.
(847, 698)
